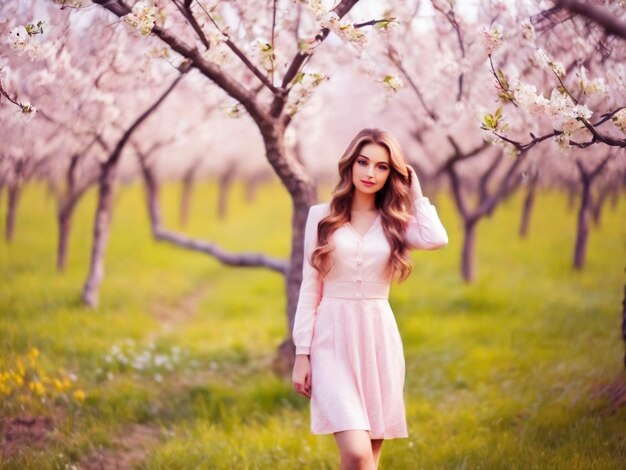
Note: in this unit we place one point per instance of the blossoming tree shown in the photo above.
(261, 80)
(450, 79)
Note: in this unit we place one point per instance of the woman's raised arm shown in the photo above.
(424, 231)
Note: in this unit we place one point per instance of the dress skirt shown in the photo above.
(357, 369)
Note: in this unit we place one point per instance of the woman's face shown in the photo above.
(371, 168)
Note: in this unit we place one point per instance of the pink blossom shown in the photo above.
(492, 39)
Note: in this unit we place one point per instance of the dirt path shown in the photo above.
(134, 442)
(129, 450)
(170, 316)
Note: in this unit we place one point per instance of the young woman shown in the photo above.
(349, 357)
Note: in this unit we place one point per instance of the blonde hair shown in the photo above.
(393, 202)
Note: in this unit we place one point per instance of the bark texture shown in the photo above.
(102, 222)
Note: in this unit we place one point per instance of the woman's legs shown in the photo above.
(357, 451)
(377, 445)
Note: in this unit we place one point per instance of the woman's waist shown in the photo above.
(355, 289)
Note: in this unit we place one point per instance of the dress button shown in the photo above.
(359, 281)
(358, 263)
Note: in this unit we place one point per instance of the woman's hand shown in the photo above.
(416, 189)
(301, 376)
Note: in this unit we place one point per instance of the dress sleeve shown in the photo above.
(310, 289)
(425, 230)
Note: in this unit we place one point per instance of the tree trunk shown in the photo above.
(571, 197)
(582, 231)
(102, 220)
(303, 195)
(251, 189)
(253, 183)
(64, 220)
(598, 206)
(185, 199)
(12, 201)
(468, 255)
(100, 235)
(225, 183)
(286, 351)
(152, 196)
(624, 323)
(615, 194)
(529, 202)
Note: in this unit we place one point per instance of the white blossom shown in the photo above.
(559, 103)
(27, 111)
(619, 119)
(569, 126)
(19, 39)
(597, 85)
(557, 68)
(265, 53)
(582, 111)
(392, 83)
(351, 34)
(492, 38)
(344, 29)
(541, 58)
(143, 17)
(528, 31)
(317, 7)
(218, 50)
(307, 46)
(329, 19)
(303, 87)
(233, 110)
(71, 3)
(563, 141)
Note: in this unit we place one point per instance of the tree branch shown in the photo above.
(117, 151)
(395, 59)
(603, 18)
(374, 22)
(239, 53)
(451, 17)
(225, 257)
(273, 37)
(185, 10)
(211, 71)
(342, 8)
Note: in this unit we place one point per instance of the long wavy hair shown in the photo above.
(393, 202)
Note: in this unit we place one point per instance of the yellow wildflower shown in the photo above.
(37, 387)
(79, 395)
(20, 367)
(33, 354)
(18, 379)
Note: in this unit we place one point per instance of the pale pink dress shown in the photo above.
(347, 327)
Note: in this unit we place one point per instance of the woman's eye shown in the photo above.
(361, 162)
(383, 167)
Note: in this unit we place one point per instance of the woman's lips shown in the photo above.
(368, 183)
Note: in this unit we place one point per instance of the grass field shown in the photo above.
(172, 371)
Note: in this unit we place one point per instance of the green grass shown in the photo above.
(504, 373)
